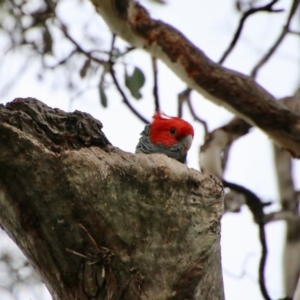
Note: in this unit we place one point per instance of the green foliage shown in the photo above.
(103, 98)
(135, 82)
(85, 68)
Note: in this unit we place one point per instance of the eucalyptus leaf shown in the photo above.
(135, 82)
(85, 67)
(103, 98)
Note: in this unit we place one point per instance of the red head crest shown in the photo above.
(169, 131)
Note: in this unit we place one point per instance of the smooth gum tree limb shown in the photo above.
(237, 92)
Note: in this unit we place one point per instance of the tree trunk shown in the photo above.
(100, 223)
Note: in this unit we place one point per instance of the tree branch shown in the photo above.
(185, 97)
(256, 207)
(294, 32)
(155, 84)
(125, 99)
(284, 32)
(247, 99)
(248, 13)
(196, 118)
(216, 142)
(263, 260)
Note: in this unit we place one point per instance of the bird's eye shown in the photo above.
(173, 131)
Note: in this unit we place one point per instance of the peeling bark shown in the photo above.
(233, 90)
(289, 203)
(100, 223)
(215, 150)
(217, 142)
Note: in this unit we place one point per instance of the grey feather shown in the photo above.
(146, 146)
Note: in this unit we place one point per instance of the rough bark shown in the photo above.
(233, 90)
(100, 223)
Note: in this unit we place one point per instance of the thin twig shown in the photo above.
(155, 84)
(80, 254)
(91, 238)
(78, 47)
(293, 32)
(103, 255)
(182, 96)
(112, 46)
(256, 207)
(179, 107)
(111, 63)
(125, 99)
(64, 60)
(251, 11)
(253, 202)
(196, 118)
(129, 49)
(263, 260)
(282, 35)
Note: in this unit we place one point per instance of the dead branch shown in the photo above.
(284, 32)
(125, 99)
(246, 14)
(185, 97)
(155, 84)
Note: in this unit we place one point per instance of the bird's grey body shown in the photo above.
(145, 145)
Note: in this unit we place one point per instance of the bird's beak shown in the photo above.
(187, 142)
